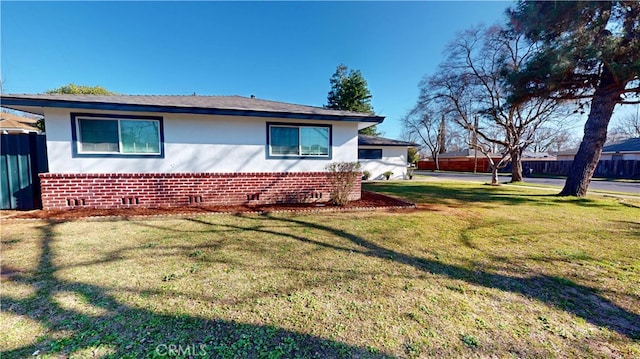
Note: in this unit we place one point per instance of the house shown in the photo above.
(627, 150)
(378, 155)
(14, 124)
(148, 151)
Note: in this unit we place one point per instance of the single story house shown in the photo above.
(148, 151)
(14, 124)
(626, 150)
(378, 155)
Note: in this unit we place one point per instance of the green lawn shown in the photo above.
(474, 271)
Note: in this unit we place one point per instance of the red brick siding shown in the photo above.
(63, 191)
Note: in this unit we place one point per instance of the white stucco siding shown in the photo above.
(394, 159)
(197, 143)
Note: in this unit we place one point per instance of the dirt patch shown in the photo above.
(369, 200)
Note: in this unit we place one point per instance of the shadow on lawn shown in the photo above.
(426, 193)
(558, 292)
(128, 332)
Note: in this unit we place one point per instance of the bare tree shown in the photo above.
(627, 127)
(428, 129)
(471, 85)
(552, 139)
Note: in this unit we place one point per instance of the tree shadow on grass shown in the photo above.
(558, 292)
(117, 330)
(486, 196)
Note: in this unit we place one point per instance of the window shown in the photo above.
(369, 154)
(108, 135)
(285, 140)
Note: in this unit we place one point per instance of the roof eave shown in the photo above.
(388, 145)
(16, 101)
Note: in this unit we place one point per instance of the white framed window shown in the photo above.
(117, 135)
(293, 140)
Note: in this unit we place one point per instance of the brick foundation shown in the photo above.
(65, 191)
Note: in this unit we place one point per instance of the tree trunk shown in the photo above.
(595, 134)
(516, 165)
(494, 175)
(436, 164)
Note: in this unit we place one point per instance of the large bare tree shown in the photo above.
(471, 84)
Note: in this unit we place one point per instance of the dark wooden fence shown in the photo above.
(629, 169)
(22, 157)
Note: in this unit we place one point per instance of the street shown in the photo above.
(632, 188)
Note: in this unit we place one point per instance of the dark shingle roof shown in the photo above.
(216, 105)
(365, 140)
(628, 145)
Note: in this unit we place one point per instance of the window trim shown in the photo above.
(75, 123)
(298, 125)
(369, 149)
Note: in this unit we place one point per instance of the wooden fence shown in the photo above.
(456, 164)
(22, 157)
(629, 169)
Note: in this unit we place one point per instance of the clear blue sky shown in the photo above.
(282, 51)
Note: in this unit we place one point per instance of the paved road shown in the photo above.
(600, 185)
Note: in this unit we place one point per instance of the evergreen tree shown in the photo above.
(587, 51)
(73, 89)
(349, 92)
(81, 90)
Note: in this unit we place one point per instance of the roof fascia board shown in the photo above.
(387, 145)
(14, 101)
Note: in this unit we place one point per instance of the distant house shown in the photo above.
(626, 150)
(566, 155)
(14, 124)
(149, 151)
(378, 155)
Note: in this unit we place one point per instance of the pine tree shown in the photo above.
(349, 92)
(587, 51)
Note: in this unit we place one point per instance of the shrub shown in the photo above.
(342, 176)
(387, 175)
(366, 175)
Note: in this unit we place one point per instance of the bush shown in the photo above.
(387, 175)
(342, 176)
(366, 175)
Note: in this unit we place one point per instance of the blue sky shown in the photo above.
(282, 51)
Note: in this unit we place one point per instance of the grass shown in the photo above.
(474, 271)
(591, 191)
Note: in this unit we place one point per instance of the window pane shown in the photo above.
(315, 141)
(370, 154)
(98, 135)
(284, 140)
(140, 136)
